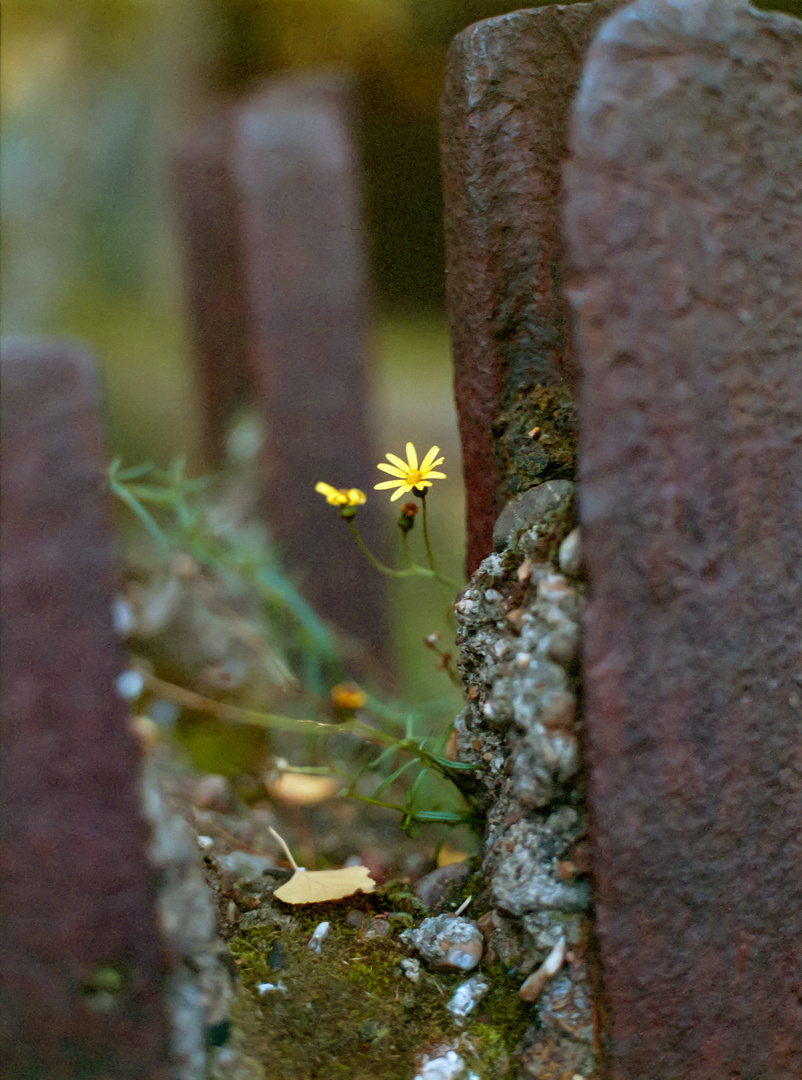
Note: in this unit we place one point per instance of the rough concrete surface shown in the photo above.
(518, 632)
(684, 228)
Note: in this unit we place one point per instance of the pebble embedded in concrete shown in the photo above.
(533, 986)
(466, 997)
(522, 725)
(447, 941)
(570, 554)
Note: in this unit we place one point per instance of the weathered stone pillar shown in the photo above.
(504, 115)
(82, 960)
(684, 225)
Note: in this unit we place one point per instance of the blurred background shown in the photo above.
(95, 96)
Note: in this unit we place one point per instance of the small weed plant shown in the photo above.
(327, 710)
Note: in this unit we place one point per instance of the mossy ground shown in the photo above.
(349, 1010)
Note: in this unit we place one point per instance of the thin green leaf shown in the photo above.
(457, 766)
(140, 511)
(388, 780)
(415, 785)
(441, 815)
(132, 473)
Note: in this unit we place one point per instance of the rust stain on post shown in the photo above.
(82, 959)
(504, 114)
(683, 222)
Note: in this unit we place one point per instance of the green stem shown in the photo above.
(418, 816)
(439, 577)
(374, 562)
(426, 532)
(188, 699)
(410, 571)
(407, 553)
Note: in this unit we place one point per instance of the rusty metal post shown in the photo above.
(504, 115)
(271, 218)
(82, 960)
(217, 307)
(683, 224)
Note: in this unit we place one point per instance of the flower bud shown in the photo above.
(407, 519)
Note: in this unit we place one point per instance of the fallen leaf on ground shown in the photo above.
(448, 855)
(298, 789)
(319, 886)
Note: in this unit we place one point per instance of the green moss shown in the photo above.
(525, 460)
(349, 1010)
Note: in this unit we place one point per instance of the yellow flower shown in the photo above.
(348, 696)
(341, 496)
(410, 475)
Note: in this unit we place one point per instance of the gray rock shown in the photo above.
(433, 887)
(529, 508)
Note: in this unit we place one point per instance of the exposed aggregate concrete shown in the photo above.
(518, 624)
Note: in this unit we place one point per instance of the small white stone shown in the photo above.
(558, 709)
(561, 753)
(122, 617)
(411, 969)
(532, 988)
(317, 937)
(205, 842)
(446, 1066)
(269, 988)
(570, 554)
(562, 646)
(466, 997)
(130, 685)
(492, 596)
(554, 587)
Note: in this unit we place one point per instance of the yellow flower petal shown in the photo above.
(398, 462)
(391, 469)
(410, 475)
(325, 489)
(429, 461)
(356, 497)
